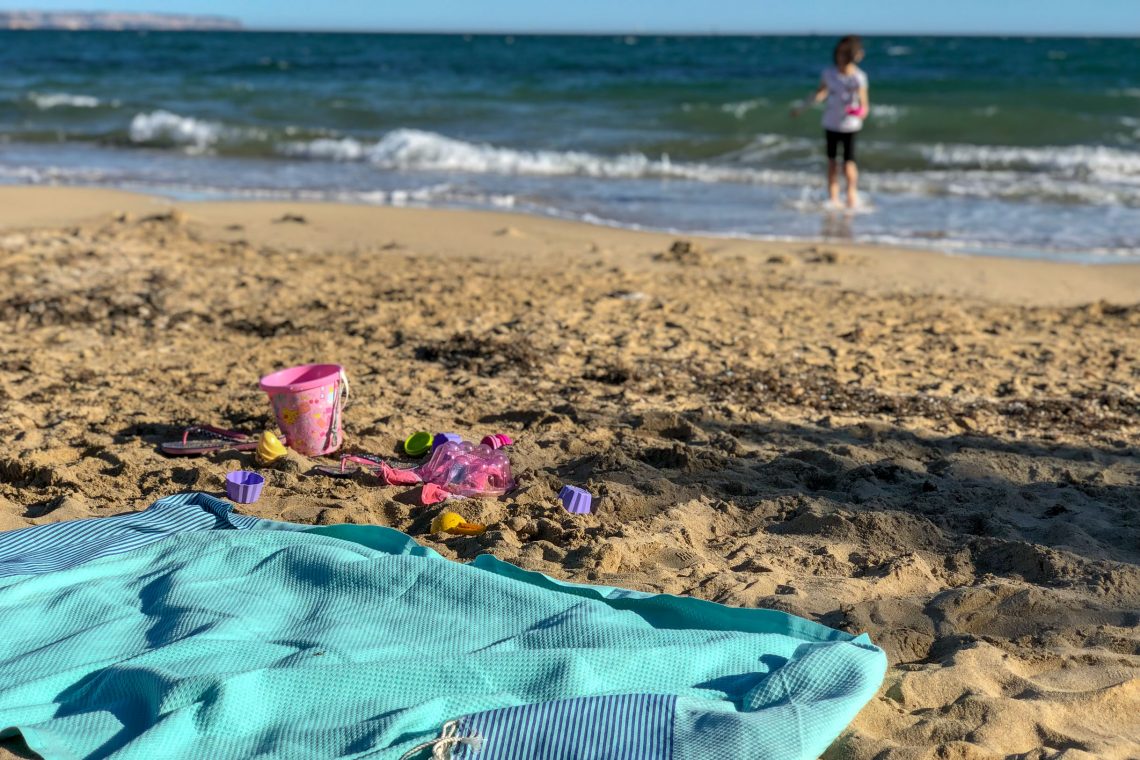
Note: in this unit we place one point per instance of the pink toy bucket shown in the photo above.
(307, 402)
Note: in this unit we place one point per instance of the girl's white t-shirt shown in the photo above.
(842, 93)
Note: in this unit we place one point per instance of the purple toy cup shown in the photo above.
(243, 486)
(442, 438)
(576, 500)
(497, 440)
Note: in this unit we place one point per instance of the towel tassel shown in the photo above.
(442, 747)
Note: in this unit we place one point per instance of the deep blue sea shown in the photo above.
(1022, 147)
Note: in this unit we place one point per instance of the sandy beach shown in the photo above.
(939, 451)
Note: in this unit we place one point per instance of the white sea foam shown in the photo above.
(438, 194)
(164, 126)
(740, 109)
(898, 50)
(413, 149)
(195, 135)
(1109, 164)
(329, 149)
(765, 147)
(1133, 123)
(1007, 185)
(50, 175)
(887, 113)
(47, 100)
(1085, 175)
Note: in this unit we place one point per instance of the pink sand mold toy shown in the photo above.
(497, 440)
(576, 500)
(308, 401)
(463, 469)
(243, 486)
(859, 111)
(468, 470)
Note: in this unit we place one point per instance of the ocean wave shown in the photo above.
(886, 113)
(955, 245)
(1112, 164)
(48, 100)
(740, 109)
(1133, 123)
(988, 225)
(413, 149)
(442, 193)
(766, 147)
(438, 194)
(192, 134)
(1074, 175)
(167, 127)
(50, 175)
(898, 50)
(961, 170)
(1006, 185)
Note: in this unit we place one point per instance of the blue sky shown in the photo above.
(1029, 17)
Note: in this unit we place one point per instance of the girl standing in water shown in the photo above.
(844, 86)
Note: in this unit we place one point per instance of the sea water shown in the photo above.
(1018, 147)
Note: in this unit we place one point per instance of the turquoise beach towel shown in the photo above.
(354, 641)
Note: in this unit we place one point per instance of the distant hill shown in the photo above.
(79, 20)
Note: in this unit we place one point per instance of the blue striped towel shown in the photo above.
(63, 545)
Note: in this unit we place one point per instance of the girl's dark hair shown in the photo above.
(847, 50)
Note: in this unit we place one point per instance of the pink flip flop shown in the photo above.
(208, 439)
(350, 464)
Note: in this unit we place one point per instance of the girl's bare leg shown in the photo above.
(833, 180)
(852, 172)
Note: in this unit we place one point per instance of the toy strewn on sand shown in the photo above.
(467, 469)
(462, 469)
(307, 401)
(269, 449)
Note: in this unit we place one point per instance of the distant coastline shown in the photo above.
(85, 21)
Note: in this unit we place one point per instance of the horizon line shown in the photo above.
(595, 33)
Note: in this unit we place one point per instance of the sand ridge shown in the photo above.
(815, 428)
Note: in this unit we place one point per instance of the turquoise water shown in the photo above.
(1027, 147)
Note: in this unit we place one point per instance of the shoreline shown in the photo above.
(1106, 257)
(938, 451)
(880, 268)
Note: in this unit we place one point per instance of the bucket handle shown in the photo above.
(341, 401)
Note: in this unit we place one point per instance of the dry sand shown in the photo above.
(939, 451)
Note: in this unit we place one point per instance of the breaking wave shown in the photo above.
(193, 134)
(48, 100)
(413, 149)
(1111, 164)
(1078, 174)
